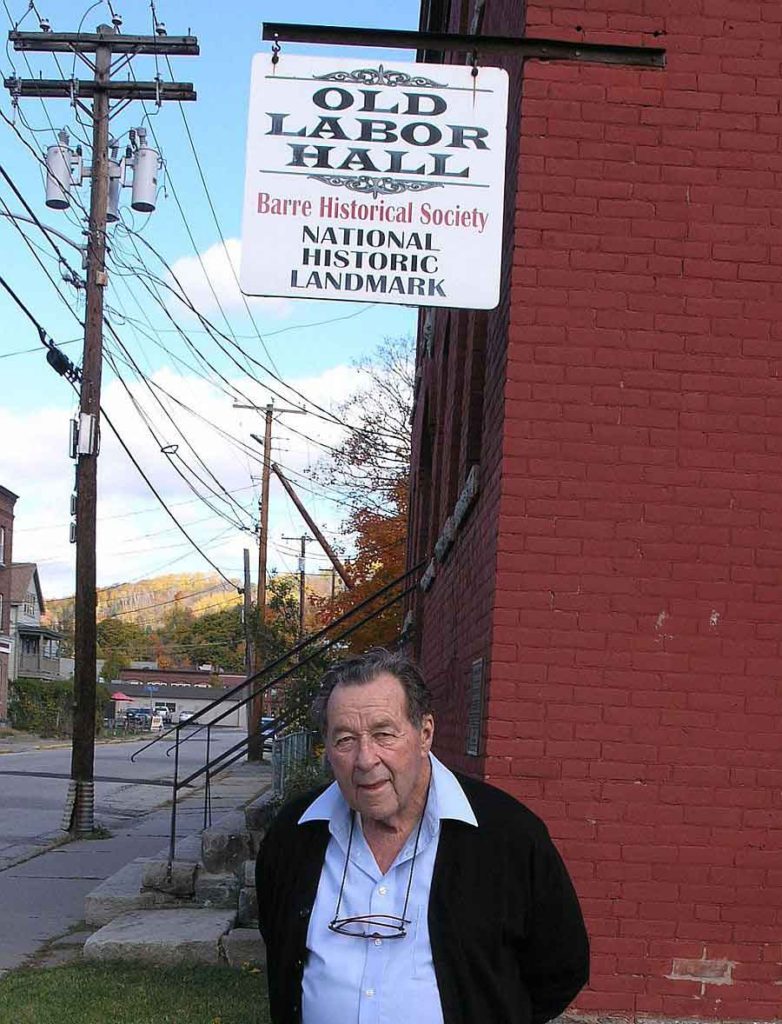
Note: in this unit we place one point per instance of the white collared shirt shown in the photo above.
(350, 980)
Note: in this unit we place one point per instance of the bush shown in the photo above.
(304, 777)
(45, 707)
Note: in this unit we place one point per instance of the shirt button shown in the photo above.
(369, 992)
(382, 890)
(378, 942)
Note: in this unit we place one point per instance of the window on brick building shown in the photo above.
(441, 457)
(2, 545)
(424, 505)
(475, 384)
(453, 482)
(435, 17)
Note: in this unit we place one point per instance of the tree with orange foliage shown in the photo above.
(370, 471)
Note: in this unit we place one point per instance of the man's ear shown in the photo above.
(427, 733)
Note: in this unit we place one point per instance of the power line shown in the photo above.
(48, 345)
(187, 302)
(125, 515)
(161, 604)
(165, 507)
(56, 359)
(59, 360)
(40, 262)
(225, 495)
(220, 231)
(184, 298)
(29, 351)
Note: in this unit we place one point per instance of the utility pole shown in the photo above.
(107, 41)
(85, 601)
(247, 612)
(255, 707)
(338, 566)
(303, 540)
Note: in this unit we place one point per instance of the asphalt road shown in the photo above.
(31, 807)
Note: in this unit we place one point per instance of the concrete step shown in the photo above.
(191, 935)
(259, 812)
(121, 892)
(227, 844)
(216, 890)
(248, 900)
(244, 947)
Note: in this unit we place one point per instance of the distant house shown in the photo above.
(7, 502)
(36, 648)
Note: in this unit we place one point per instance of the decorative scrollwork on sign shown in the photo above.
(380, 76)
(375, 187)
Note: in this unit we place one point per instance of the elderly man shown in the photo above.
(406, 893)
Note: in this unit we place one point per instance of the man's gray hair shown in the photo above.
(364, 669)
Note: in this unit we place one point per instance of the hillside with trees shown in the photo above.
(202, 625)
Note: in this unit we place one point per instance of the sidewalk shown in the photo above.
(43, 897)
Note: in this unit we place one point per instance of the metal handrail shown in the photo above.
(308, 641)
(290, 671)
(238, 749)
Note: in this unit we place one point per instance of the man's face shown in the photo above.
(380, 759)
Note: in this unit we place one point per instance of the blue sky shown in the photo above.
(311, 344)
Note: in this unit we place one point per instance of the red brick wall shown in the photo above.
(640, 543)
(635, 609)
(454, 619)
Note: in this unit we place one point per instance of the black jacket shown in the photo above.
(508, 939)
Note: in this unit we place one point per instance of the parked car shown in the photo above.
(266, 727)
(185, 716)
(143, 719)
(140, 715)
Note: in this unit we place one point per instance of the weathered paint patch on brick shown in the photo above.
(709, 972)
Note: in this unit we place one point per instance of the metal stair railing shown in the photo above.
(312, 647)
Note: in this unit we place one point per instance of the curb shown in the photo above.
(58, 745)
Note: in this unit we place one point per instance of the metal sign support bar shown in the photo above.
(538, 49)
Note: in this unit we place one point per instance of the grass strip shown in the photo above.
(118, 992)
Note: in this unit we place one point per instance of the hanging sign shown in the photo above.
(374, 182)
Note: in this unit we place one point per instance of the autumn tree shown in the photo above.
(173, 636)
(115, 634)
(119, 643)
(370, 472)
(217, 639)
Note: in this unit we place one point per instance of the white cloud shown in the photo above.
(212, 276)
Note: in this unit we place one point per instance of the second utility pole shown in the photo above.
(303, 540)
(255, 707)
